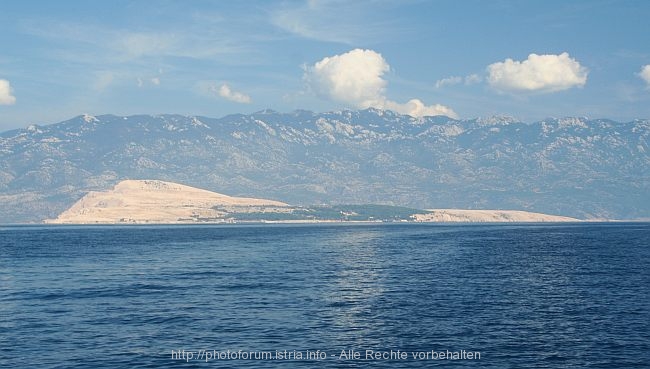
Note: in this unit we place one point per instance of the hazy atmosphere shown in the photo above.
(324, 184)
(530, 60)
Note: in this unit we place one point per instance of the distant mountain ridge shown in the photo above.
(570, 166)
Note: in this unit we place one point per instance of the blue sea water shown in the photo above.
(520, 296)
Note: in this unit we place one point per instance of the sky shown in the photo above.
(464, 59)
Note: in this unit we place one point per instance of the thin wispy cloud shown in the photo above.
(125, 55)
(153, 81)
(92, 43)
(103, 80)
(339, 21)
(138, 44)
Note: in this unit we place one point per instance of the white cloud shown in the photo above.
(6, 97)
(449, 81)
(227, 93)
(472, 79)
(416, 108)
(90, 43)
(355, 78)
(541, 73)
(455, 80)
(645, 74)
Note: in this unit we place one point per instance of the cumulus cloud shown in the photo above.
(355, 78)
(645, 74)
(472, 79)
(538, 73)
(449, 81)
(454, 80)
(416, 108)
(227, 93)
(6, 97)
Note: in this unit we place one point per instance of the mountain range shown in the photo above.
(578, 167)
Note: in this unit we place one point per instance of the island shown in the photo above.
(160, 202)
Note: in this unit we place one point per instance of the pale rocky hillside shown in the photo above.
(491, 216)
(152, 201)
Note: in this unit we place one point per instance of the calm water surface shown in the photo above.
(523, 296)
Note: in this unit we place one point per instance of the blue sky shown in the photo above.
(528, 59)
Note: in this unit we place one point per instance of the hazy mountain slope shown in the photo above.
(573, 166)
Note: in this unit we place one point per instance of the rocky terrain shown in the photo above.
(150, 201)
(159, 202)
(487, 216)
(577, 167)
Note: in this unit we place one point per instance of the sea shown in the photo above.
(326, 295)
